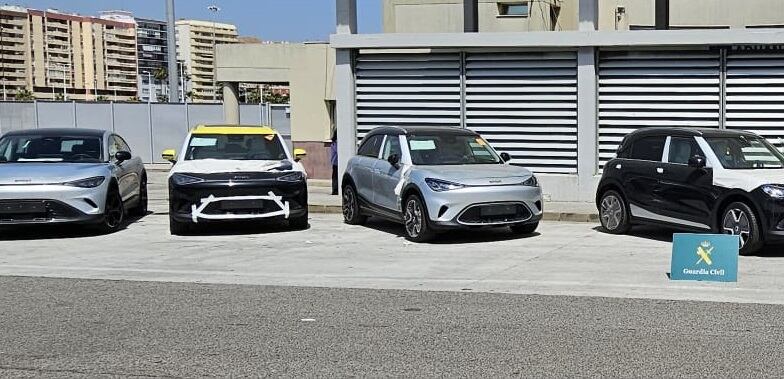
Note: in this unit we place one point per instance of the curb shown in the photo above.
(548, 216)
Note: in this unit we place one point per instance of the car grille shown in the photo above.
(187, 197)
(494, 213)
(35, 211)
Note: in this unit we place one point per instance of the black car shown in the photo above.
(707, 180)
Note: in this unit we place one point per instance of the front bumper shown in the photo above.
(236, 201)
(48, 204)
(463, 207)
(772, 217)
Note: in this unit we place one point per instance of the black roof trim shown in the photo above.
(694, 132)
(398, 130)
(49, 132)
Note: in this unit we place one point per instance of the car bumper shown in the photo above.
(224, 201)
(484, 206)
(772, 218)
(46, 204)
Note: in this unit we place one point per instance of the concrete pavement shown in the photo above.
(80, 328)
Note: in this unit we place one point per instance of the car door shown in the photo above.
(367, 155)
(686, 192)
(639, 174)
(386, 176)
(123, 169)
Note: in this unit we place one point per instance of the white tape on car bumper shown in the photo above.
(197, 211)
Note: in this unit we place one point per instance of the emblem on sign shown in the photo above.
(704, 251)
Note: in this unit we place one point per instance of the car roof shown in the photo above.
(53, 132)
(398, 130)
(691, 132)
(232, 129)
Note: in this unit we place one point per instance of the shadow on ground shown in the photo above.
(224, 228)
(458, 236)
(57, 231)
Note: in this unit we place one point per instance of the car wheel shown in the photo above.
(613, 213)
(140, 209)
(740, 220)
(415, 220)
(524, 228)
(299, 223)
(114, 211)
(351, 213)
(178, 228)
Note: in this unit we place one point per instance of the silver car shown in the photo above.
(69, 176)
(436, 178)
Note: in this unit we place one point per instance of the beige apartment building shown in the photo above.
(440, 16)
(196, 41)
(56, 55)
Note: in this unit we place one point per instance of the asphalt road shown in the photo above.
(71, 327)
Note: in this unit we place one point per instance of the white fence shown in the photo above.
(148, 127)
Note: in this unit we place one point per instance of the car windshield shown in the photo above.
(745, 153)
(235, 147)
(450, 149)
(32, 148)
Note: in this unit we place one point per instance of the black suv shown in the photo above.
(708, 180)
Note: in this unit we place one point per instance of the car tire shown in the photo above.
(114, 211)
(524, 228)
(140, 210)
(177, 228)
(351, 212)
(416, 221)
(739, 219)
(614, 213)
(299, 223)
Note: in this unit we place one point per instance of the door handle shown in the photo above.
(660, 170)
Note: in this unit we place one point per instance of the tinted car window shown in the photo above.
(370, 147)
(235, 146)
(648, 148)
(681, 149)
(391, 147)
(50, 149)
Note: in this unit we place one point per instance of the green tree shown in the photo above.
(101, 98)
(24, 95)
(253, 96)
(160, 74)
(59, 97)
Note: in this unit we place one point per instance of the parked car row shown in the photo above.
(428, 179)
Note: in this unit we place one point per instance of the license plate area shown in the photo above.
(498, 210)
(22, 207)
(229, 205)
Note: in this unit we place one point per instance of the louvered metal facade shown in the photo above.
(525, 104)
(755, 92)
(407, 89)
(656, 88)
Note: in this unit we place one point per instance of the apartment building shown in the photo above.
(436, 16)
(56, 55)
(153, 60)
(196, 42)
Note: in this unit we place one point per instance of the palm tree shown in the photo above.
(160, 74)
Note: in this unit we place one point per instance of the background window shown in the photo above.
(513, 9)
(648, 149)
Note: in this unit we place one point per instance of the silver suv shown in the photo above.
(436, 178)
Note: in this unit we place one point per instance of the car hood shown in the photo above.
(747, 180)
(48, 173)
(212, 166)
(477, 175)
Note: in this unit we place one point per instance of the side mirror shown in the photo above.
(299, 154)
(122, 156)
(168, 155)
(697, 161)
(506, 157)
(394, 160)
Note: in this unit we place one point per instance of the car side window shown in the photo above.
(114, 147)
(122, 144)
(392, 147)
(683, 148)
(371, 146)
(648, 149)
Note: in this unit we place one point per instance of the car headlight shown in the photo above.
(295, 176)
(87, 183)
(532, 182)
(183, 179)
(439, 185)
(774, 191)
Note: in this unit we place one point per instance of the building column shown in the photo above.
(345, 107)
(587, 130)
(231, 103)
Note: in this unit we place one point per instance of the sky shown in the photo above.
(273, 20)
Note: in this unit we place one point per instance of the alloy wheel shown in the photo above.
(413, 218)
(349, 203)
(114, 211)
(611, 212)
(736, 222)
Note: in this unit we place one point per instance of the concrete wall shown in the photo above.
(444, 16)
